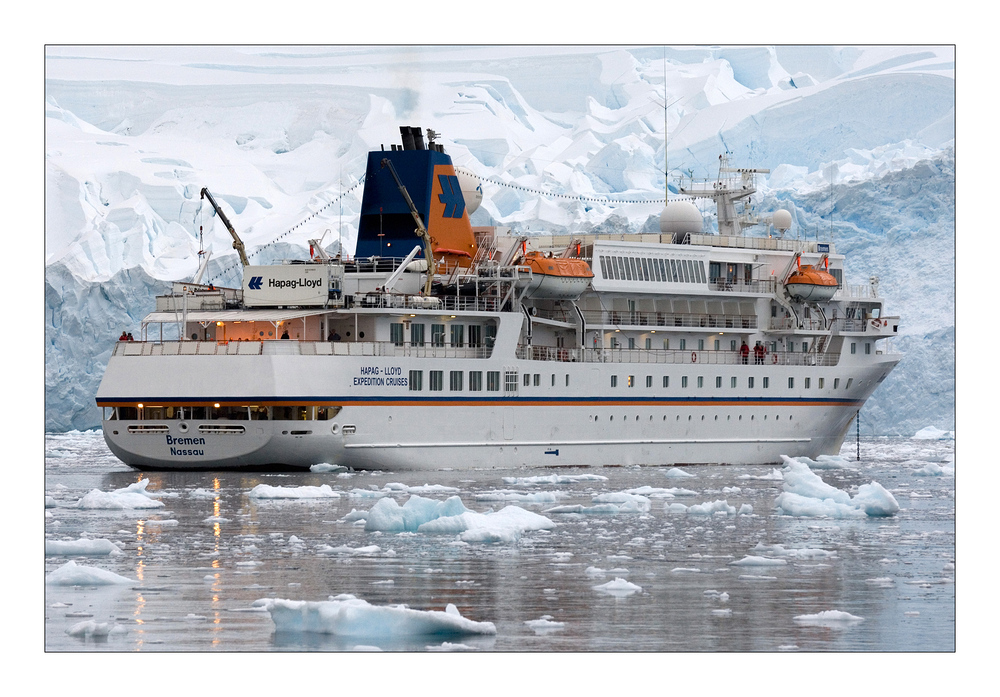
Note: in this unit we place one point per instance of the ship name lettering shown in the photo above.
(185, 451)
(294, 283)
(392, 370)
(185, 441)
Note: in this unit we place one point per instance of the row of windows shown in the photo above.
(457, 378)
(739, 417)
(477, 334)
(645, 269)
(630, 381)
(152, 412)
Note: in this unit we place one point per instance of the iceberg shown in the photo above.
(264, 491)
(132, 496)
(72, 574)
(347, 615)
(807, 495)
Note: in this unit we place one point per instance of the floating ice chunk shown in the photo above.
(599, 509)
(423, 489)
(354, 551)
(711, 508)
(652, 492)
(50, 502)
(759, 561)
(726, 612)
(874, 500)
(81, 547)
(327, 467)
(754, 577)
(931, 433)
(215, 519)
(554, 479)
(831, 462)
(346, 615)
(265, 491)
(388, 516)
(545, 624)
(627, 503)
(618, 587)
(796, 553)
(933, 470)
(828, 618)
(519, 497)
(506, 525)
(772, 476)
(806, 494)
(675, 473)
(367, 493)
(71, 574)
(91, 630)
(132, 496)
(675, 508)
(745, 509)
(685, 570)
(203, 494)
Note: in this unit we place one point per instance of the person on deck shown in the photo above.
(744, 353)
(123, 337)
(284, 335)
(758, 354)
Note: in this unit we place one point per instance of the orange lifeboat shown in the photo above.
(811, 283)
(556, 278)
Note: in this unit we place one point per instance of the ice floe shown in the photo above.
(829, 618)
(132, 496)
(81, 547)
(675, 473)
(545, 624)
(619, 587)
(90, 629)
(554, 479)
(347, 615)
(265, 491)
(934, 470)
(932, 433)
(806, 494)
(73, 574)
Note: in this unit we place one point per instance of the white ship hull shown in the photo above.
(392, 428)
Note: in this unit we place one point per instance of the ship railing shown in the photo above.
(767, 285)
(779, 324)
(854, 291)
(472, 303)
(285, 347)
(681, 357)
(670, 319)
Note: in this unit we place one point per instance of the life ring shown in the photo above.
(774, 358)
(876, 323)
(694, 357)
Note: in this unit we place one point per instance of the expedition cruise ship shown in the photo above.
(441, 345)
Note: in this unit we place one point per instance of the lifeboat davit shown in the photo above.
(556, 278)
(811, 283)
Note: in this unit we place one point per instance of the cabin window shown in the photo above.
(553, 379)
(614, 381)
(649, 381)
(649, 343)
(717, 344)
(701, 381)
(631, 380)
(666, 381)
(475, 335)
(510, 381)
(732, 345)
(791, 347)
(537, 380)
(854, 347)
(458, 335)
(732, 382)
(714, 271)
(820, 385)
(417, 334)
(631, 342)
(684, 380)
(666, 344)
(848, 385)
(791, 383)
(437, 335)
(604, 267)
(805, 347)
(765, 382)
(683, 344)
(836, 383)
(750, 383)
(475, 381)
(807, 381)
(455, 381)
(396, 334)
(416, 380)
(868, 348)
(436, 383)
(701, 344)
(718, 381)
(527, 379)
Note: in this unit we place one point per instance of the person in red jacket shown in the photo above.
(744, 353)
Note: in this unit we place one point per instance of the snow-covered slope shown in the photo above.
(859, 140)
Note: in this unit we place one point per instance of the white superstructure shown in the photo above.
(513, 359)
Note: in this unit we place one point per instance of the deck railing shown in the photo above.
(624, 355)
(284, 347)
(670, 319)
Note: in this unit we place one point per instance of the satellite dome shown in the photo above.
(472, 189)
(680, 218)
(782, 220)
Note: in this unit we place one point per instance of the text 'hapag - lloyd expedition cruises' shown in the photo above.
(461, 347)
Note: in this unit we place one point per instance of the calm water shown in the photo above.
(195, 581)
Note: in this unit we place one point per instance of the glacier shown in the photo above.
(859, 141)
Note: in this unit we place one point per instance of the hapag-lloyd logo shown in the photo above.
(256, 282)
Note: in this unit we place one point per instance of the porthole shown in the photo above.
(182, 427)
(335, 428)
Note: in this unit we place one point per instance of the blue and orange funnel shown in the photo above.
(387, 227)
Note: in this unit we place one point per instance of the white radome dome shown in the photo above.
(472, 189)
(680, 218)
(782, 220)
